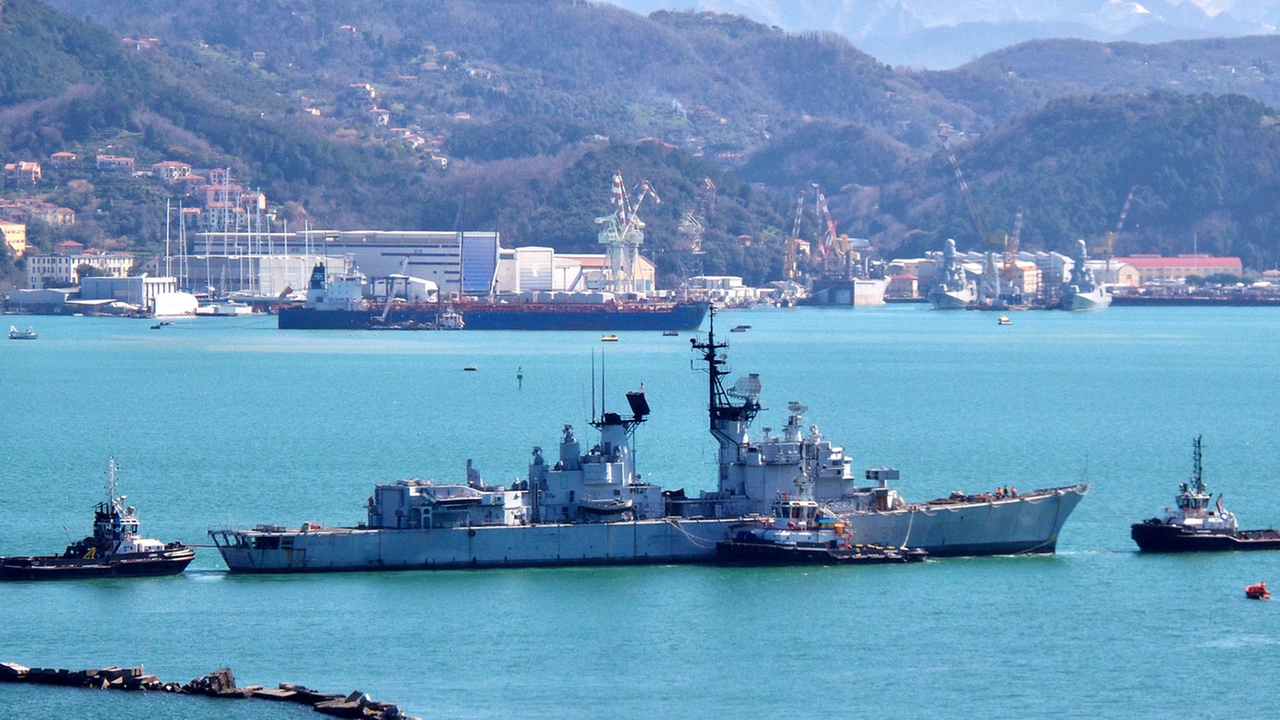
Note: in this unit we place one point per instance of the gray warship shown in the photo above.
(953, 291)
(585, 508)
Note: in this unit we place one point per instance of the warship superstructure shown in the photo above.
(1082, 291)
(593, 508)
(953, 290)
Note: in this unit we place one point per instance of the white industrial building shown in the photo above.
(457, 262)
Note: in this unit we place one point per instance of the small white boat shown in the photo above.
(16, 334)
(609, 338)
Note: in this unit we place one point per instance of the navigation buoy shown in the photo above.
(520, 377)
(1258, 592)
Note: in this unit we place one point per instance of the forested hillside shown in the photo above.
(530, 106)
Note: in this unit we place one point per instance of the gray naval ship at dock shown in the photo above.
(582, 508)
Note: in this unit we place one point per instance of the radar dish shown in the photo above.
(747, 388)
(796, 408)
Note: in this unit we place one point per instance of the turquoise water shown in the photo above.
(220, 422)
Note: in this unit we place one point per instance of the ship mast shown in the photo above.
(111, 481)
(1197, 480)
(728, 422)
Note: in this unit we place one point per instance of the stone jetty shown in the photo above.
(219, 684)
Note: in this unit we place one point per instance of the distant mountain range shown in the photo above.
(941, 34)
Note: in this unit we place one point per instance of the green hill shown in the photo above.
(534, 104)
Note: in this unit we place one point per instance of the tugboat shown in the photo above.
(799, 532)
(1194, 527)
(115, 550)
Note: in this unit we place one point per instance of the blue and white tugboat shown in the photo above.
(1193, 526)
(115, 549)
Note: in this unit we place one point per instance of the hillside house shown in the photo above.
(170, 170)
(15, 236)
(113, 164)
(23, 172)
(64, 159)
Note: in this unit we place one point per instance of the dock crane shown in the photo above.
(1111, 236)
(964, 186)
(1124, 213)
(623, 232)
(789, 270)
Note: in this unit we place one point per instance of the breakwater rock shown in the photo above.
(219, 684)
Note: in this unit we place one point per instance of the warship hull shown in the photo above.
(951, 300)
(1096, 300)
(1027, 524)
(1013, 525)
(496, 316)
(636, 542)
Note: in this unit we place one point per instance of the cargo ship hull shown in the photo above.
(599, 317)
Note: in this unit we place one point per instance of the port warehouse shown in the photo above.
(465, 263)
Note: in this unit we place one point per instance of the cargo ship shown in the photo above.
(593, 508)
(339, 304)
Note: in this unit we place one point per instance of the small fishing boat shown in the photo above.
(1257, 591)
(16, 334)
(609, 338)
(799, 533)
(470, 368)
(1192, 526)
(740, 328)
(1004, 320)
(114, 550)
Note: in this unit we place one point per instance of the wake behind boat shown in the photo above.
(1195, 527)
(115, 549)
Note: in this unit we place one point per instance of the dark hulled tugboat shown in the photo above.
(1194, 527)
(114, 550)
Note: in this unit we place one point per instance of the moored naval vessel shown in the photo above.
(953, 291)
(1082, 291)
(592, 507)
